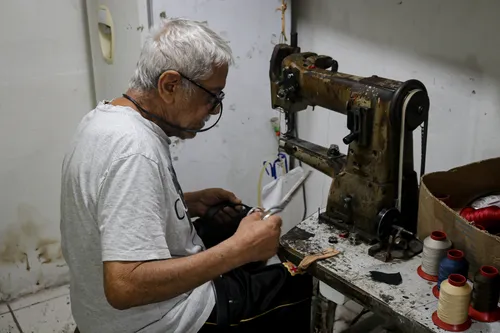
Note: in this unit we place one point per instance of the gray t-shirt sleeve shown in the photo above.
(131, 211)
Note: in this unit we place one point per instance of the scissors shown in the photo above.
(283, 203)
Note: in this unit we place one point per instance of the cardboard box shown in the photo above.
(459, 187)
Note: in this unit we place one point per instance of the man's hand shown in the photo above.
(259, 239)
(128, 284)
(200, 201)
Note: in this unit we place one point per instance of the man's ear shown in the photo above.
(168, 85)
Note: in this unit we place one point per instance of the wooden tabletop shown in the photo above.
(410, 304)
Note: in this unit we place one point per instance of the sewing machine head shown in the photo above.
(374, 192)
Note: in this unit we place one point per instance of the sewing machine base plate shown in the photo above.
(380, 250)
(350, 228)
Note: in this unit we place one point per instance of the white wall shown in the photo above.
(45, 88)
(452, 46)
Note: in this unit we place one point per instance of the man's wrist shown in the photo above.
(234, 251)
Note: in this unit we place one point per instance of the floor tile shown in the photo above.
(7, 324)
(39, 297)
(3, 308)
(53, 315)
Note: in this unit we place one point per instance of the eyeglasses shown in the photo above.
(216, 100)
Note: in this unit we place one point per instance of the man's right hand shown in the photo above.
(258, 239)
(128, 283)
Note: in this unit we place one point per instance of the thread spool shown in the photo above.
(444, 198)
(485, 295)
(452, 313)
(453, 263)
(435, 247)
(479, 226)
(488, 217)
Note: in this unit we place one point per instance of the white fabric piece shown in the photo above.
(273, 193)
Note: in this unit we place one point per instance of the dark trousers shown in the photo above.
(255, 297)
(268, 299)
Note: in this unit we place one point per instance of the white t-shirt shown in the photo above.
(120, 201)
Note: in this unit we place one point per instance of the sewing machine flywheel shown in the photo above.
(387, 218)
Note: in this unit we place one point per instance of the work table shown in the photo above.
(409, 304)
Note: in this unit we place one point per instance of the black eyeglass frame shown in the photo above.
(217, 97)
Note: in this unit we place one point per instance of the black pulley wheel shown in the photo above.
(387, 217)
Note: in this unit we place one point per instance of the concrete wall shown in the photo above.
(452, 46)
(45, 88)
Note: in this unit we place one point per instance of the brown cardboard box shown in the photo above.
(460, 186)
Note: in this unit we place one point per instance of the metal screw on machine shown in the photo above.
(333, 240)
(333, 151)
(347, 202)
(348, 207)
(354, 239)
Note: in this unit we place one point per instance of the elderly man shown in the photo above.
(136, 261)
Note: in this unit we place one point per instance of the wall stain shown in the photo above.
(44, 256)
(26, 236)
(28, 267)
(250, 53)
(274, 39)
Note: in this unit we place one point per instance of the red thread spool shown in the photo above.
(444, 198)
(479, 226)
(488, 217)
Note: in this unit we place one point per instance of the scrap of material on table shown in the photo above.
(410, 304)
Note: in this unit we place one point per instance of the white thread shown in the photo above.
(454, 300)
(435, 248)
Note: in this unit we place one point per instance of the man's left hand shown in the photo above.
(200, 201)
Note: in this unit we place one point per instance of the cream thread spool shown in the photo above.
(435, 248)
(452, 313)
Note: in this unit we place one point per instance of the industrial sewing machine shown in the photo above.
(374, 192)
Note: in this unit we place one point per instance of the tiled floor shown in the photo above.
(45, 312)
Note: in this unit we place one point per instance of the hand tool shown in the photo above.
(284, 202)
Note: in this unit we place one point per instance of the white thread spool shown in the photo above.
(435, 248)
(453, 306)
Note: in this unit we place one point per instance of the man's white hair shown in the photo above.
(186, 46)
